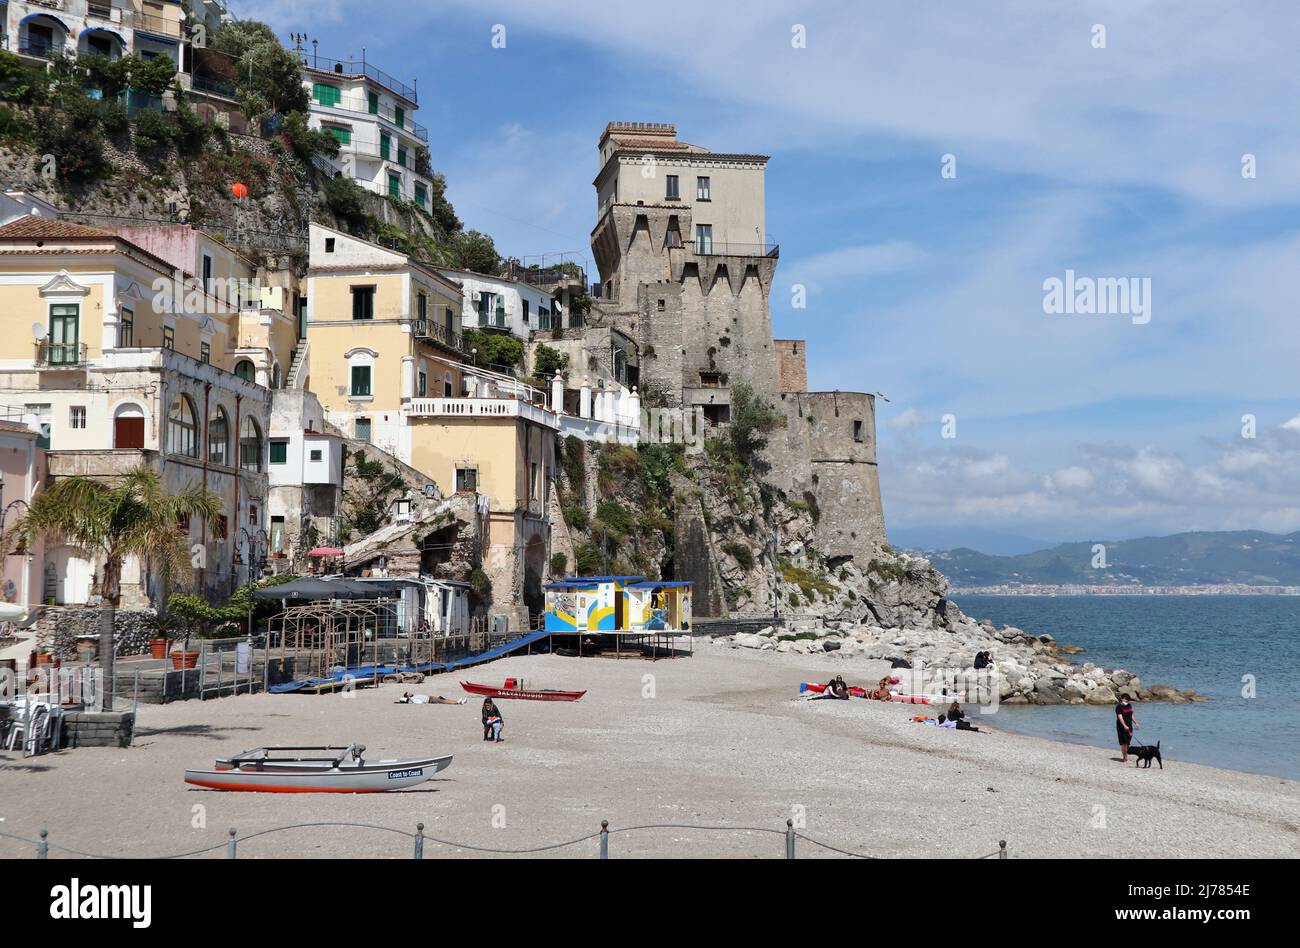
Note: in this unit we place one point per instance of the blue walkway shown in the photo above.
(367, 673)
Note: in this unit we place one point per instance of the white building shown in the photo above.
(499, 303)
(381, 146)
(304, 476)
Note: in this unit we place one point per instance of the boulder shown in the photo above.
(1101, 695)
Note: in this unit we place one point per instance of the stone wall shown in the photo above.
(58, 628)
(98, 728)
(791, 365)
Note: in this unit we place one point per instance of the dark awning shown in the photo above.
(311, 589)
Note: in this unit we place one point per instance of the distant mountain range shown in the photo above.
(1249, 557)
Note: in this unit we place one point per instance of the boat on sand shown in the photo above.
(514, 688)
(343, 770)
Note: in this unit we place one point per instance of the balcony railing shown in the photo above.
(350, 67)
(159, 26)
(61, 354)
(407, 124)
(719, 248)
(436, 332)
(483, 408)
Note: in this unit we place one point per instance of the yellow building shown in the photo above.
(121, 356)
(385, 356)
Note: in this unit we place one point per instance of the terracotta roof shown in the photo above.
(32, 227)
(663, 143)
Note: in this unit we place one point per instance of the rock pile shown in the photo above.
(1029, 669)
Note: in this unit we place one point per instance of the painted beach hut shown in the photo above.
(620, 607)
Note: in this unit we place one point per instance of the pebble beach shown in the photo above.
(719, 739)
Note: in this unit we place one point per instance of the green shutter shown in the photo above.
(421, 195)
(399, 117)
(326, 94)
(401, 156)
(374, 103)
(344, 135)
(279, 452)
(385, 145)
(394, 186)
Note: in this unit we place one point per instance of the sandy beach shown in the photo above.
(718, 739)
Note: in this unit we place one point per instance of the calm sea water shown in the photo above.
(1208, 643)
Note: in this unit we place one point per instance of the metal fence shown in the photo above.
(790, 838)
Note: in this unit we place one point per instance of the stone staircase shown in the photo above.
(296, 376)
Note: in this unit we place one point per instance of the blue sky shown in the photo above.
(1122, 161)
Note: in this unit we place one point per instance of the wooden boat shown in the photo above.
(514, 688)
(345, 770)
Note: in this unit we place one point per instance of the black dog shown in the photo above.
(1145, 753)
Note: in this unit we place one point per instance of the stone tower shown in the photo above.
(686, 268)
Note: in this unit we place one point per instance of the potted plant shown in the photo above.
(186, 612)
(159, 642)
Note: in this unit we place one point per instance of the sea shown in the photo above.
(1241, 652)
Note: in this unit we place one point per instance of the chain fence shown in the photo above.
(43, 846)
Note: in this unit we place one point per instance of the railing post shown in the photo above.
(789, 839)
(43, 847)
(1002, 849)
(230, 844)
(419, 840)
(604, 839)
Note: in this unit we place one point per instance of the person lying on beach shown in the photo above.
(492, 721)
(412, 698)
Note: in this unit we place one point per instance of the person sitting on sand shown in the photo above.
(492, 721)
(955, 713)
(411, 697)
(837, 688)
(881, 691)
(981, 660)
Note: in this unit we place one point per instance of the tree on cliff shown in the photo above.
(134, 516)
(253, 49)
(752, 420)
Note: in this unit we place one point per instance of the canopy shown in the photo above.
(325, 551)
(310, 589)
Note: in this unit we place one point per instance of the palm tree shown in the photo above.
(134, 515)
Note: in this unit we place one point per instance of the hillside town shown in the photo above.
(362, 410)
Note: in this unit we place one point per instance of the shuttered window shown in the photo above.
(326, 94)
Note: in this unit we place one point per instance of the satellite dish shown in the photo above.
(38, 331)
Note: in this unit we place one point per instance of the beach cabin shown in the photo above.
(620, 605)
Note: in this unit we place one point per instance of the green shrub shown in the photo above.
(547, 361)
(575, 518)
(559, 564)
(495, 350)
(346, 200)
(586, 559)
(152, 131)
(742, 554)
(614, 518)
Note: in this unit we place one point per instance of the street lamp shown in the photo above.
(252, 560)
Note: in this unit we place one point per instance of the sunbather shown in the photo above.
(411, 697)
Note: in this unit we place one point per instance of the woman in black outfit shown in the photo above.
(492, 721)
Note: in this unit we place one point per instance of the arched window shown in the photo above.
(250, 445)
(182, 429)
(245, 370)
(218, 437)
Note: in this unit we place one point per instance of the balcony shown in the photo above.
(718, 248)
(61, 355)
(158, 26)
(483, 408)
(408, 125)
(438, 334)
(351, 68)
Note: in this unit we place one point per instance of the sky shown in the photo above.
(933, 166)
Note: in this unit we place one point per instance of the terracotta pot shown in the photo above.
(43, 658)
(185, 660)
(158, 648)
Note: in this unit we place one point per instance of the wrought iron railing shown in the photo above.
(428, 329)
(61, 353)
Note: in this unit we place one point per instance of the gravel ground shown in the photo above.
(718, 739)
